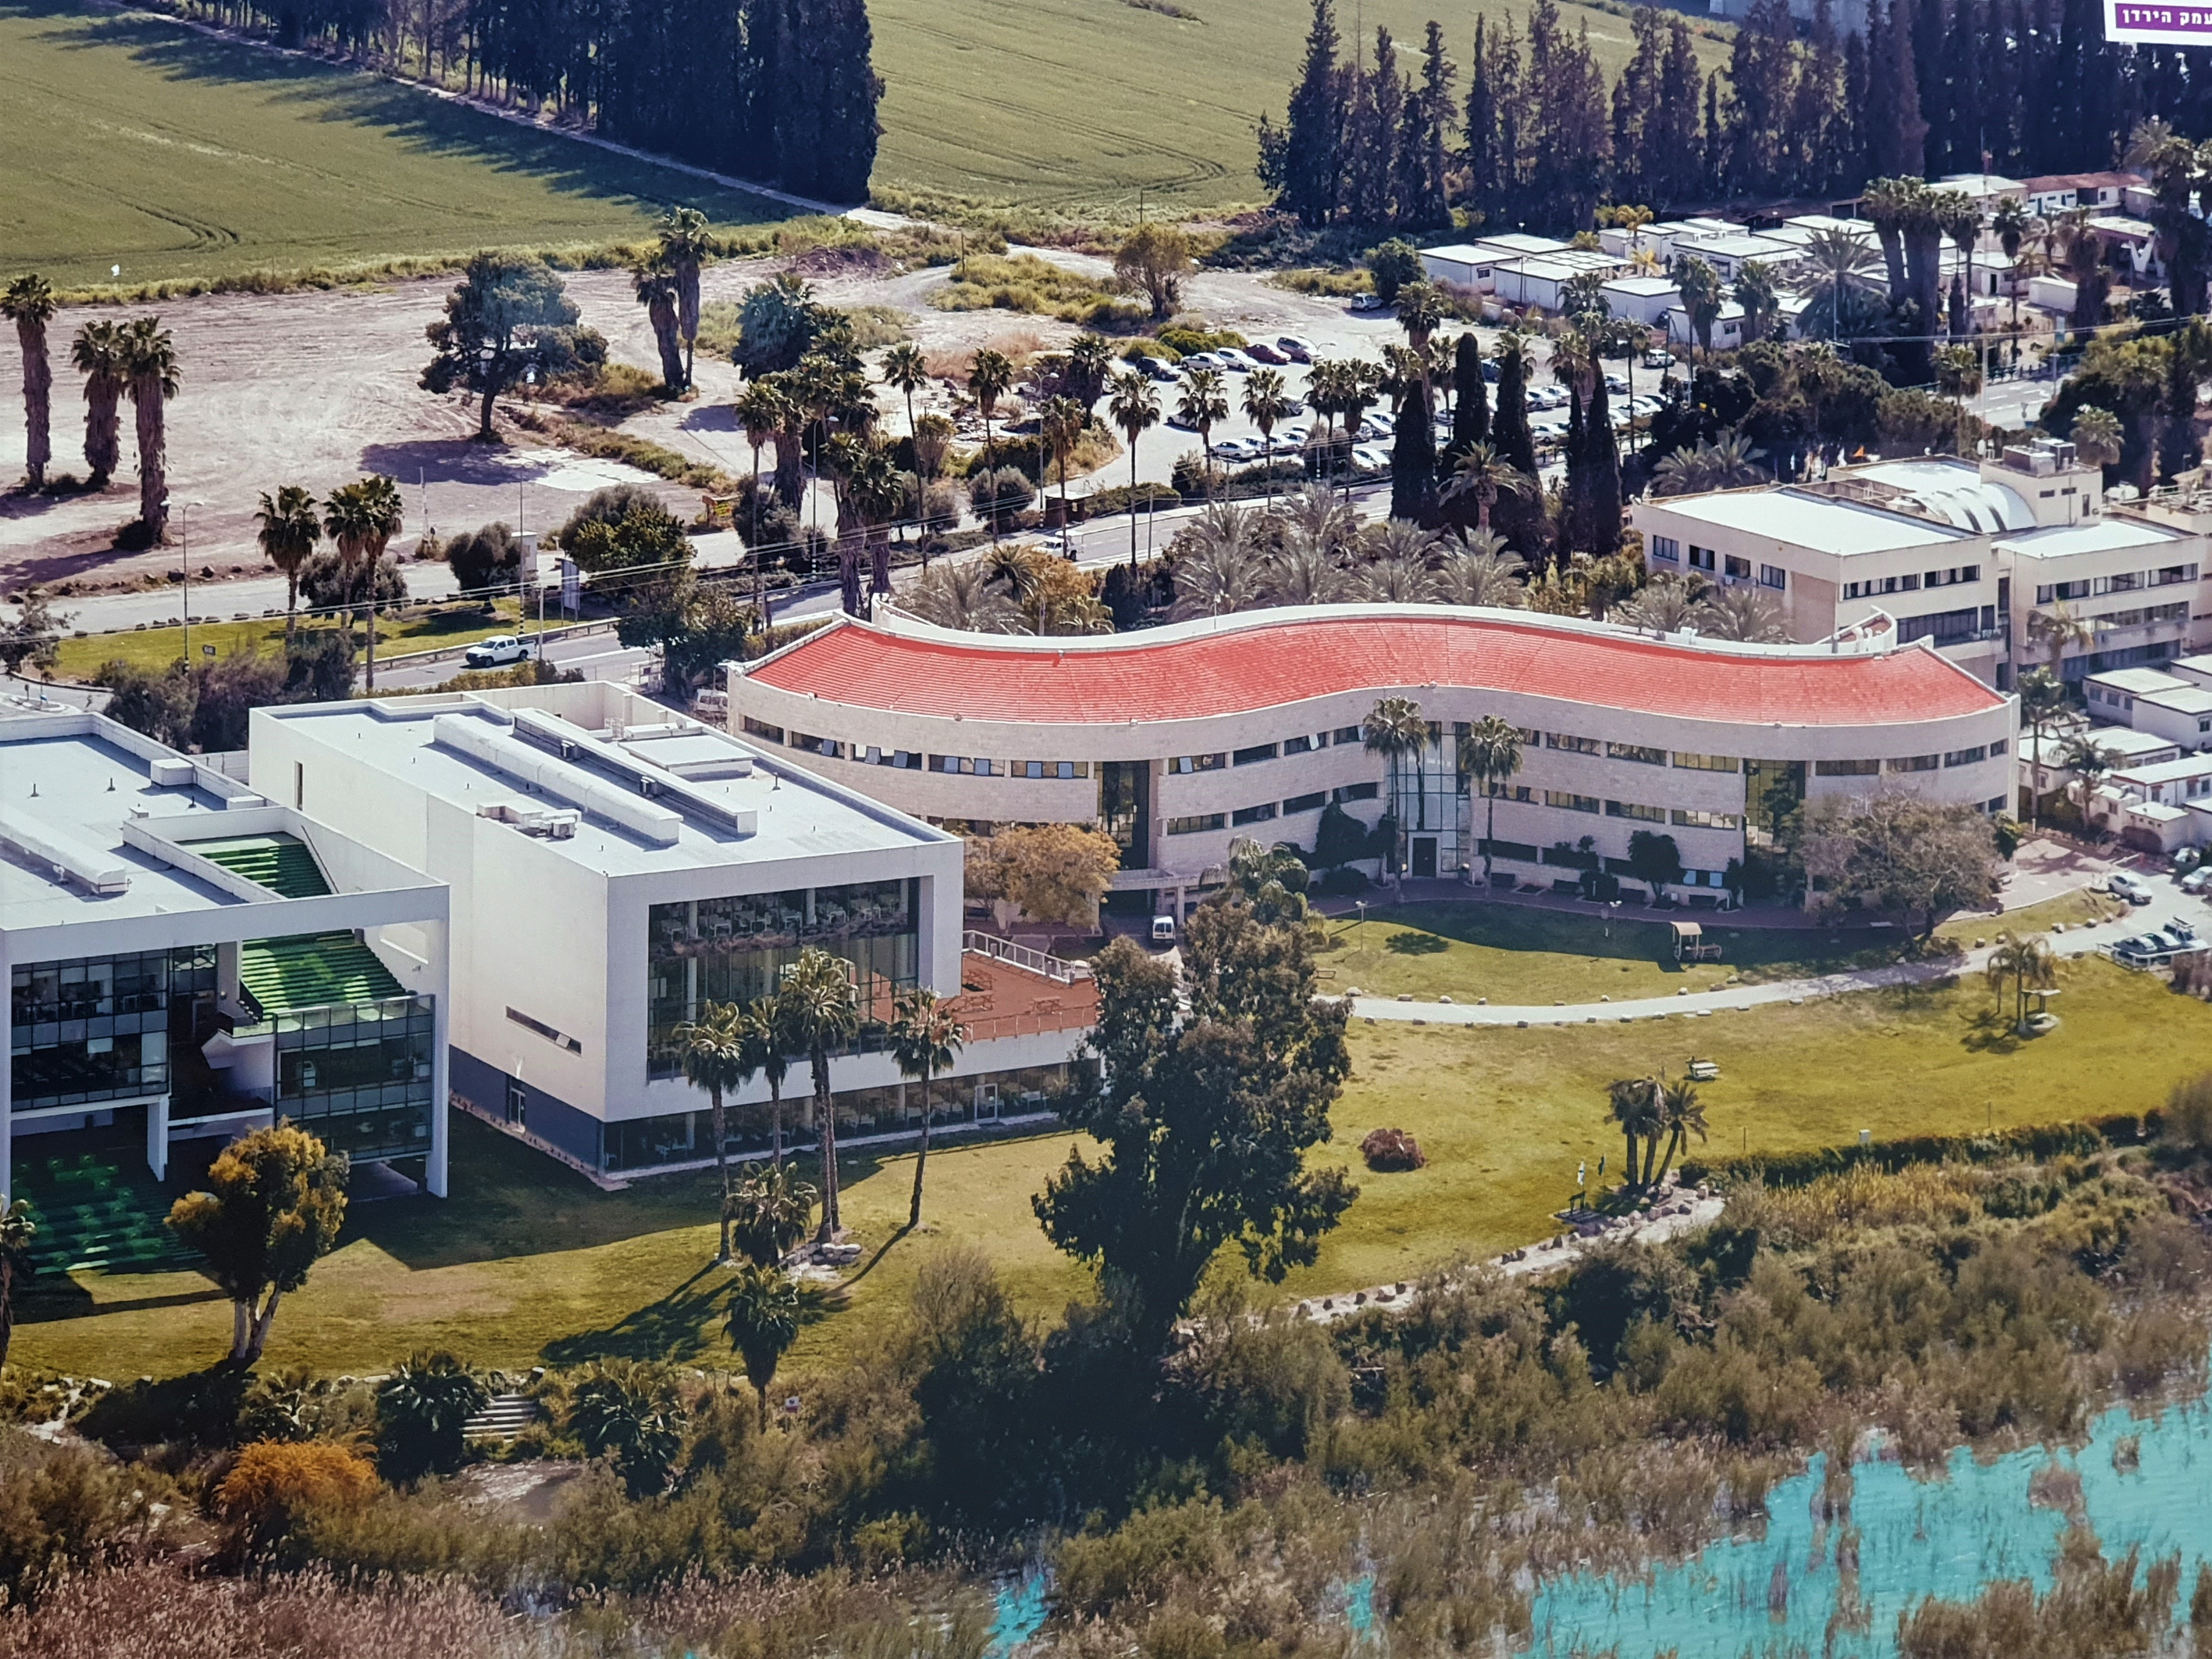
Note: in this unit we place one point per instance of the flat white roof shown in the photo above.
(1641, 286)
(2155, 772)
(1745, 244)
(2198, 667)
(2188, 699)
(1517, 242)
(75, 790)
(1821, 523)
(1562, 266)
(2098, 535)
(800, 815)
(1463, 253)
(2124, 741)
(1859, 227)
(2140, 682)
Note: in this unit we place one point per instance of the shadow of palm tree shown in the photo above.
(1989, 1032)
(676, 1327)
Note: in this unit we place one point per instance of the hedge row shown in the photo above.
(2036, 1141)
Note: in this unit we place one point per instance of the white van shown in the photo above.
(1163, 930)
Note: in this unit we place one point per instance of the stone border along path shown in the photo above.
(2079, 940)
(1673, 1213)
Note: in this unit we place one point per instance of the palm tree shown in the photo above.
(1089, 356)
(961, 596)
(1755, 292)
(1265, 405)
(869, 489)
(1489, 753)
(763, 411)
(150, 367)
(1395, 729)
(1676, 1111)
(1303, 572)
(1134, 407)
(2042, 696)
(97, 352)
(715, 1056)
(1394, 579)
(1313, 518)
(18, 1227)
(1325, 388)
(1060, 428)
(361, 517)
(1665, 604)
(768, 1051)
(905, 370)
(991, 377)
(1960, 218)
(763, 1323)
(1632, 1103)
(1219, 565)
(1750, 616)
(2097, 436)
(1700, 286)
(1486, 475)
(657, 290)
(684, 246)
(288, 533)
(2090, 762)
(1481, 572)
(2028, 964)
(2061, 630)
(927, 1037)
(1958, 377)
(29, 303)
(769, 1212)
(1837, 258)
(1203, 406)
(821, 1007)
(2013, 226)
(1359, 389)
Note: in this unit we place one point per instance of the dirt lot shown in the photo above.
(318, 388)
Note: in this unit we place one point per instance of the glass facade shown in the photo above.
(681, 1137)
(358, 1075)
(98, 1028)
(723, 950)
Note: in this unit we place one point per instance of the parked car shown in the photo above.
(1489, 370)
(1658, 359)
(1297, 351)
(1373, 426)
(1617, 383)
(1366, 302)
(1234, 360)
(492, 653)
(1260, 351)
(1235, 449)
(1370, 458)
(1293, 436)
(2197, 880)
(2121, 884)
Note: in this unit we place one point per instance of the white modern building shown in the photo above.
(1178, 741)
(187, 959)
(1644, 300)
(1966, 555)
(615, 867)
(2176, 708)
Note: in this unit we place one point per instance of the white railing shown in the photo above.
(1023, 955)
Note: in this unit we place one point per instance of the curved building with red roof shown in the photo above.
(1179, 739)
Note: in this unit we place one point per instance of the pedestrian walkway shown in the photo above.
(2078, 941)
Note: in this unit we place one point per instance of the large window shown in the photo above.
(359, 1075)
(96, 1028)
(726, 949)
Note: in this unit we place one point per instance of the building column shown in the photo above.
(226, 973)
(157, 1137)
(434, 1167)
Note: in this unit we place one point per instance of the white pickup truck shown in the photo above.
(496, 650)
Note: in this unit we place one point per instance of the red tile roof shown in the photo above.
(1271, 664)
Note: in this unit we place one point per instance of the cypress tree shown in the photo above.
(1518, 518)
(1313, 145)
(1480, 132)
(1470, 399)
(1601, 467)
(1575, 497)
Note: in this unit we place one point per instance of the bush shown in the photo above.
(484, 559)
(420, 1409)
(1182, 338)
(2188, 1117)
(326, 583)
(1001, 495)
(198, 1409)
(65, 1507)
(1392, 1149)
(273, 1483)
(1393, 265)
(604, 506)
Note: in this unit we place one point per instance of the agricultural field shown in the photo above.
(527, 1262)
(134, 141)
(1079, 105)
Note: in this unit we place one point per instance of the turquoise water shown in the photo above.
(1018, 1613)
(1948, 1536)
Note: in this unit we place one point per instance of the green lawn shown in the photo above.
(157, 647)
(133, 141)
(526, 1261)
(1513, 954)
(1081, 104)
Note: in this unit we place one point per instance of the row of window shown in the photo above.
(2125, 582)
(1567, 800)
(1198, 824)
(1867, 769)
(1301, 744)
(2149, 613)
(1874, 587)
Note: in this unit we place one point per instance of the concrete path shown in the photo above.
(2168, 903)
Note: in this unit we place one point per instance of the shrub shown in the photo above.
(65, 1507)
(629, 1413)
(1392, 1149)
(273, 1483)
(199, 1409)
(420, 1409)
(2188, 1118)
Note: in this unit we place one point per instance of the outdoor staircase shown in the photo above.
(94, 1216)
(504, 1416)
(283, 864)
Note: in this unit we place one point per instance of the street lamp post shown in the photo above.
(184, 519)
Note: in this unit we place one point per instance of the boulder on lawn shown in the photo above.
(1392, 1149)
